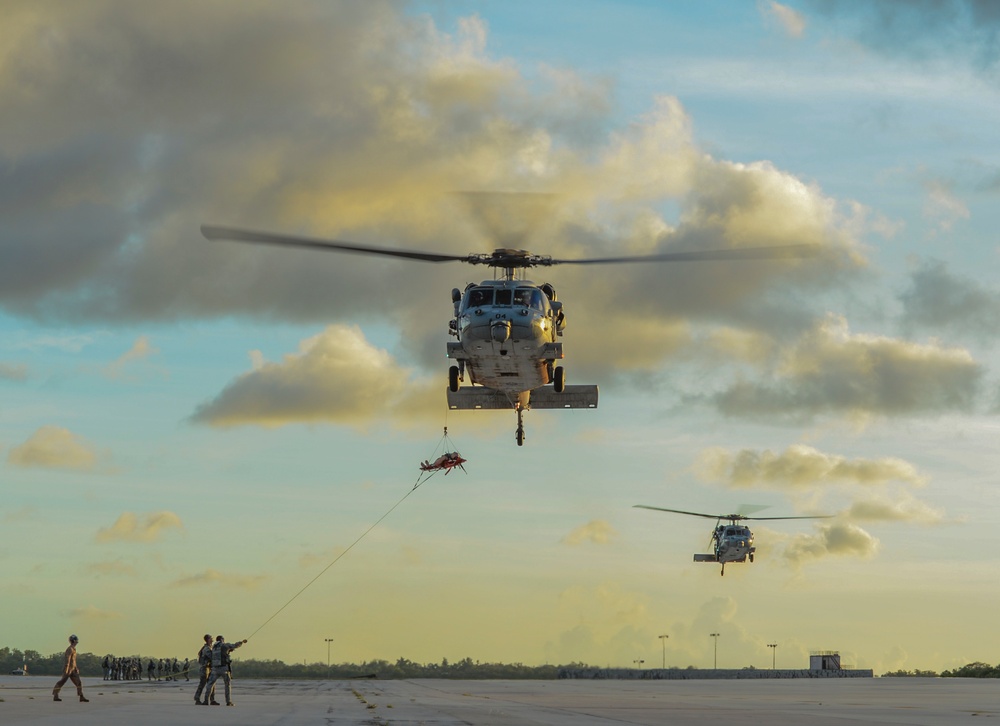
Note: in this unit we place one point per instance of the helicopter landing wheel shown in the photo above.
(453, 378)
(559, 379)
(751, 558)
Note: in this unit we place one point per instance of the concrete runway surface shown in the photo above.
(792, 702)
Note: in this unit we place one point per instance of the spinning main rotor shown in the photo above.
(506, 259)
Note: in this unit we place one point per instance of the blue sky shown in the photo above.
(190, 431)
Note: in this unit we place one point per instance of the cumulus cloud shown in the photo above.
(214, 577)
(130, 528)
(115, 568)
(92, 612)
(596, 531)
(940, 299)
(358, 121)
(141, 349)
(790, 20)
(799, 466)
(13, 371)
(831, 370)
(902, 508)
(337, 376)
(837, 539)
(941, 207)
(55, 447)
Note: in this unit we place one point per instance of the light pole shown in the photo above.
(773, 647)
(663, 641)
(638, 662)
(716, 636)
(328, 641)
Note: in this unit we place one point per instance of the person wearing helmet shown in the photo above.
(205, 670)
(220, 667)
(70, 672)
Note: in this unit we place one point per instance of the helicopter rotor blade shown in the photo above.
(783, 252)
(213, 232)
(675, 511)
(813, 516)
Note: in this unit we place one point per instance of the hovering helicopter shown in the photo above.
(731, 542)
(507, 328)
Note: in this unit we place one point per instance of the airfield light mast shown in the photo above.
(716, 637)
(328, 641)
(773, 647)
(663, 641)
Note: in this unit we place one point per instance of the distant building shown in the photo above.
(824, 660)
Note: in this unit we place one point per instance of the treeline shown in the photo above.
(972, 670)
(465, 669)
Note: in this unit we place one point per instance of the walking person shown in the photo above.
(204, 671)
(220, 666)
(70, 672)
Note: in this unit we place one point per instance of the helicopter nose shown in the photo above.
(500, 330)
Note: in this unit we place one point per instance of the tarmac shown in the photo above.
(778, 702)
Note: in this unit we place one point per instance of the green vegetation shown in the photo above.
(974, 670)
(910, 674)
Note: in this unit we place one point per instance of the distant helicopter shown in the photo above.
(731, 542)
(506, 328)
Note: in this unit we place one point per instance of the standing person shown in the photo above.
(150, 669)
(70, 672)
(220, 666)
(204, 671)
(187, 668)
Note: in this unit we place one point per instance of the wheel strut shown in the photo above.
(519, 434)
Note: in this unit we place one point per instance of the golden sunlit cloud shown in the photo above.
(798, 466)
(114, 568)
(902, 508)
(92, 612)
(141, 349)
(596, 531)
(128, 527)
(13, 371)
(791, 21)
(839, 539)
(214, 577)
(54, 447)
(337, 376)
(830, 370)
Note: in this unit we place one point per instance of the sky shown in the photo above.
(191, 431)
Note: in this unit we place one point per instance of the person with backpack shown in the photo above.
(220, 666)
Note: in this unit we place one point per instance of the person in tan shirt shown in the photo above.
(70, 672)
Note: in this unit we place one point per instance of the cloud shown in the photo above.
(790, 20)
(141, 349)
(596, 531)
(54, 447)
(941, 206)
(129, 528)
(114, 568)
(922, 30)
(942, 300)
(337, 376)
(300, 126)
(93, 613)
(13, 371)
(837, 539)
(214, 577)
(903, 508)
(799, 466)
(831, 370)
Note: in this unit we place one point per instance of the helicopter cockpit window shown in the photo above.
(479, 296)
(504, 297)
(529, 297)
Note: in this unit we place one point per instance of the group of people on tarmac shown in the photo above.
(169, 669)
(213, 663)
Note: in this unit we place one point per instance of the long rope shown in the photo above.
(420, 480)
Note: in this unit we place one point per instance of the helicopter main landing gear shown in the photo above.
(454, 376)
(519, 434)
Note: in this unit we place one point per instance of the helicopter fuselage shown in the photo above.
(507, 332)
(733, 543)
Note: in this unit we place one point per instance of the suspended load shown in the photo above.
(446, 462)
